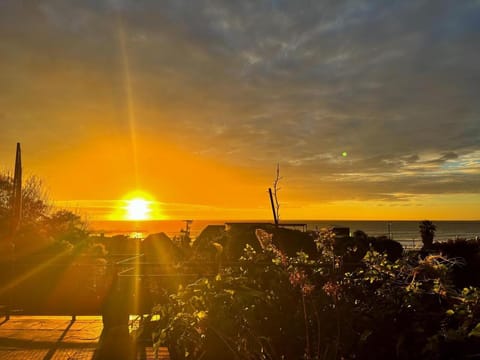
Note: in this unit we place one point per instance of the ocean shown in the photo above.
(407, 232)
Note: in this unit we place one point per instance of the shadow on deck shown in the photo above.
(59, 338)
(29, 331)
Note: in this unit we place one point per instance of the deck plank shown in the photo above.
(54, 338)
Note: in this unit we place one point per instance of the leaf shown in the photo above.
(218, 247)
(476, 331)
(201, 315)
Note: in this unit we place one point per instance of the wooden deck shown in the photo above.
(55, 338)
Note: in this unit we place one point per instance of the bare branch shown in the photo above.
(276, 189)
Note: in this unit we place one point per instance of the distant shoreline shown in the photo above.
(402, 230)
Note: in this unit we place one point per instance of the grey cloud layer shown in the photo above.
(394, 84)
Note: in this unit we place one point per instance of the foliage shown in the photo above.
(427, 232)
(271, 306)
(63, 225)
(34, 202)
(41, 225)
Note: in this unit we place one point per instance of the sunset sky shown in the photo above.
(371, 108)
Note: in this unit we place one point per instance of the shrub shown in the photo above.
(272, 306)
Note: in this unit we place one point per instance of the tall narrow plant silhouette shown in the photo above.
(16, 206)
(427, 232)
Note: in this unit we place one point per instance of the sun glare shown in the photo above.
(138, 209)
(137, 206)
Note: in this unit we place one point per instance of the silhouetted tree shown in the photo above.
(384, 245)
(276, 189)
(360, 236)
(34, 201)
(64, 225)
(40, 224)
(427, 232)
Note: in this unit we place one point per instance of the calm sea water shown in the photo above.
(405, 231)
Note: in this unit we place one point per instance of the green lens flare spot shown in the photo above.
(344, 154)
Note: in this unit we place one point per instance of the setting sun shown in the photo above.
(137, 206)
(138, 209)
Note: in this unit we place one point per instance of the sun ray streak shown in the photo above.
(127, 83)
(137, 280)
(23, 277)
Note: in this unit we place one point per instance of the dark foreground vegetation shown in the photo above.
(271, 306)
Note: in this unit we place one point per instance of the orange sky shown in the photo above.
(184, 185)
(196, 106)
